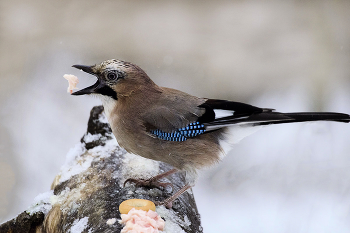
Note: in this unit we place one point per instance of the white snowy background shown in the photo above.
(287, 55)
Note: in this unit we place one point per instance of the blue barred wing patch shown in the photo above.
(182, 134)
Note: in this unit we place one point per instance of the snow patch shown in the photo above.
(138, 167)
(91, 137)
(103, 119)
(187, 221)
(111, 221)
(79, 225)
(78, 159)
(59, 199)
(41, 203)
(105, 151)
(67, 199)
(172, 221)
(71, 167)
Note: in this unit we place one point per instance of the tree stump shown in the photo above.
(89, 189)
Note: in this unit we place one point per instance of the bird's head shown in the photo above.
(115, 78)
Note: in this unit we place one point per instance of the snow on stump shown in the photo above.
(86, 194)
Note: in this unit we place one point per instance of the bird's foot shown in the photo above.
(168, 203)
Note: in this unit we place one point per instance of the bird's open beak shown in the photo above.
(91, 89)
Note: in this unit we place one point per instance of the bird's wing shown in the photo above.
(181, 117)
(169, 119)
(173, 110)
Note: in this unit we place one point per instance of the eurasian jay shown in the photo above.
(168, 125)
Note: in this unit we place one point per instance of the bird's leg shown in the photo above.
(168, 203)
(153, 181)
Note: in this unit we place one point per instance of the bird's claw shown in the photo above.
(167, 204)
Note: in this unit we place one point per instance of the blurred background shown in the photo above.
(287, 55)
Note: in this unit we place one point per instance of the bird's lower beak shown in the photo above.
(91, 89)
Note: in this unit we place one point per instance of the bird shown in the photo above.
(168, 125)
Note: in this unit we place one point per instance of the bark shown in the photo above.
(89, 189)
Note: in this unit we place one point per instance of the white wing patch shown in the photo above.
(220, 113)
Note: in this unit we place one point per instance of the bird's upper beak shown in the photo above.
(91, 89)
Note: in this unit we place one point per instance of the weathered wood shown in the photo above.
(89, 189)
(24, 222)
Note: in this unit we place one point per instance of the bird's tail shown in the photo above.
(278, 118)
(269, 117)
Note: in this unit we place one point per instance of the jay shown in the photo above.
(169, 125)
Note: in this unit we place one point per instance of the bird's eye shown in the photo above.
(112, 76)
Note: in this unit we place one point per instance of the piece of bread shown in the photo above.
(72, 81)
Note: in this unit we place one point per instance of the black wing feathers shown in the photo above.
(239, 109)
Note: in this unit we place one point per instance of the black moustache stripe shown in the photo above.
(107, 91)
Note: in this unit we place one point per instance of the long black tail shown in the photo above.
(278, 118)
